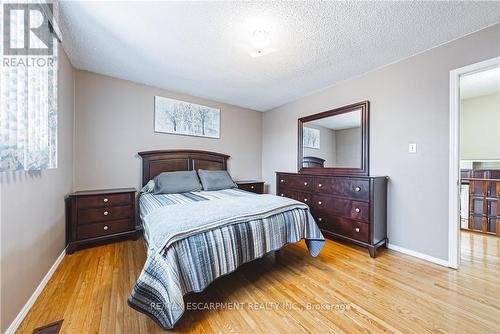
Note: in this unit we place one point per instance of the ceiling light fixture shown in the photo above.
(260, 40)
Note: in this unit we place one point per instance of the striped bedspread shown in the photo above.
(187, 255)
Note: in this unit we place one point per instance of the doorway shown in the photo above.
(474, 155)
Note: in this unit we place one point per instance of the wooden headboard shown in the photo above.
(156, 162)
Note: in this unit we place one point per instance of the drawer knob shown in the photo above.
(106, 213)
(357, 229)
(357, 189)
(305, 199)
(319, 202)
(282, 180)
(357, 210)
(320, 185)
(320, 219)
(252, 187)
(105, 227)
(305, 183)
(105, 200)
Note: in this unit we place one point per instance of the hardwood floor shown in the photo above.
(392, 293)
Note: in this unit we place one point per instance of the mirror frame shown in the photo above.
(365, 142)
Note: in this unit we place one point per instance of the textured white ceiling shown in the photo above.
(202, 48)
(480, 83)
(347, 120)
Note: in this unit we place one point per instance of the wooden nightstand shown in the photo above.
(252, 186)
(99, 216)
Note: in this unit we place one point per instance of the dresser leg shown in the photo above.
(372, 250)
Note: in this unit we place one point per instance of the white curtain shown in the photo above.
(28, 104)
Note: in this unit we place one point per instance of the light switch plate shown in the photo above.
(412, 148)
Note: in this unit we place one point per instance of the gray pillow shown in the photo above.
(215, 179)
(176, 182)
(149, 187)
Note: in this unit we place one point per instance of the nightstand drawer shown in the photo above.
(104, 228)
(86, 216)
(253, 186)
(257, 188)
(103, 201)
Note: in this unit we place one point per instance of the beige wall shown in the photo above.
(114, 121)
(480, 128)
(32, 212)
(348, 147)
(411, 106)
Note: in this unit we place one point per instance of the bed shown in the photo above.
(195, 237)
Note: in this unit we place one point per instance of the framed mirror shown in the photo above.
(335, 141)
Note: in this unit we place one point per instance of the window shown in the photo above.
(28, 88)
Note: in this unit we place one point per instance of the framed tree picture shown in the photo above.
(311, 137)
(185, 118)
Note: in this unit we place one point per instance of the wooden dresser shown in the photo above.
(99, 216)
(352, 208)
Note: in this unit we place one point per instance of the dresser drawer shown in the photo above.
(297, 182)
(304, 198)
(284, 192)
(341, 207)
(343, 226)
(296, 195)
(86, 216)
(104, 228)
(349, 188)
(103, 200)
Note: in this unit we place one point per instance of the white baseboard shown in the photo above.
(24, 311)
(422, 256)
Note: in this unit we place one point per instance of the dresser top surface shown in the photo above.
(248, 181)
(102, 192)
(339, 176)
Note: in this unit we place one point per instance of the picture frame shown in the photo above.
(185, 118)
(311, 138)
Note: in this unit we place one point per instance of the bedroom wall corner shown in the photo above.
(32, 216)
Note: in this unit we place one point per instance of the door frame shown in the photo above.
(454, 158)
